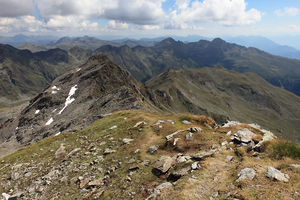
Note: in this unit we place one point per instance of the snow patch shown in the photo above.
(57, 133)
(54, 89)
(54, 110)
(49, 121)
(37, 112)
(69, 100)
(17, 128)
(78, 69)
(231, 123)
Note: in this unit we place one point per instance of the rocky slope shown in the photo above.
(147, 62)
(142, 155)
(224, 95)
(75, 100)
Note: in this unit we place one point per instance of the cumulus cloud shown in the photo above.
(16, 8)
(287, 11)
(129, 11)
(112, 24)
(225, 12)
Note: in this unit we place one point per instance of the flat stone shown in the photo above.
(175, 175)
(275, 174)
(244, 136)
(162, 165)
(84, 182)
(109, 151)
(203, 155)
(164, 186)
(186, 122)
(96, 182)
(127, 141)
(246, 174)
(169, 137)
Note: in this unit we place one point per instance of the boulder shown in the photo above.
(177, 174)
(162, 165)
(246, 174)
(152, 149)
(243, 136)
(275, 174)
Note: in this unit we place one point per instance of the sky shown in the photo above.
(150, 18)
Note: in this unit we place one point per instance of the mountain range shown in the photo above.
(99, 87)
(147, 62)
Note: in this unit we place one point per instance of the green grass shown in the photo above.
(282, 149)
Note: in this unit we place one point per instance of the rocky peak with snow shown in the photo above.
(75, 100)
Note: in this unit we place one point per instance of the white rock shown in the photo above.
(228, 133)
(37, 112)
(246, 173)
(186, 122)
(231, 124)
(273, 173)
(159, 122)
(244, 135)
(295, 166)
(229, 158)
(127, 141)
(113, 127)
(169, 137)
(196, 165)
(139, 124)
(5, 196)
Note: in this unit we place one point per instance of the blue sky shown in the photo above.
(151, 18)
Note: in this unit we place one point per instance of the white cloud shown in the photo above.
(16, 8)
(129, 11)
(287, 11)
(225, 12)
(117, 25)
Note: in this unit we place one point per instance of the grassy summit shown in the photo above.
(97, 163)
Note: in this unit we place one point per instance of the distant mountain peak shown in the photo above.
(167, 41)
(218, 41)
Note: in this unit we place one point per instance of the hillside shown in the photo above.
(75, 100)
(23, 74)
(147, 62)
(225, 94)
(134, 155)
